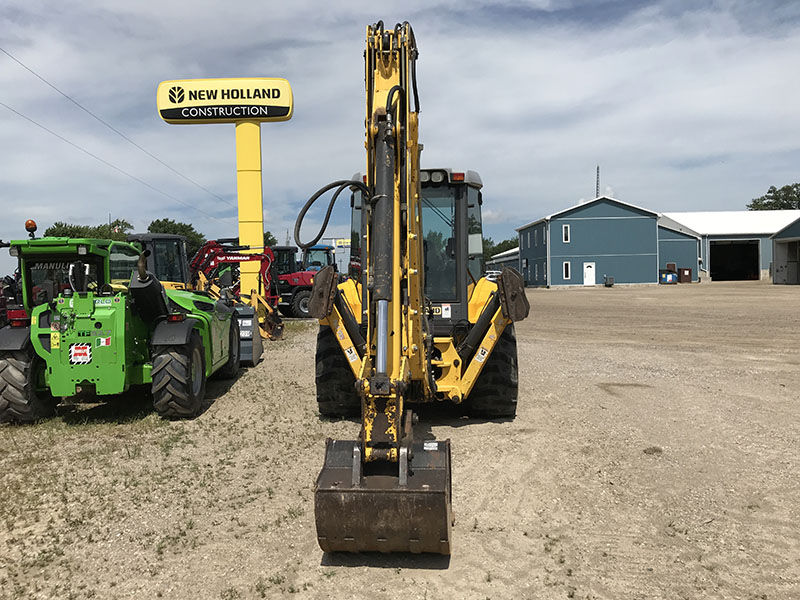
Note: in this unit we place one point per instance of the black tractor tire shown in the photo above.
(300, 304)
(495, 393)
(231, 368)
(19, 400)
(286, 311)
(179, 379)
(336, 392)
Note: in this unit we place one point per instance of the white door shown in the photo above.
(588, 273)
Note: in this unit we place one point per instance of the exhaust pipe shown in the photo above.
(141, 267)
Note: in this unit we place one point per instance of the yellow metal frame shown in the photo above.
(388, 67)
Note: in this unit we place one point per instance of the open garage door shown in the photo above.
(734, 260)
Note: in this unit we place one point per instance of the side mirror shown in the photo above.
(475, 243)
(450, 248)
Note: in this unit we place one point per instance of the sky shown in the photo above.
(685, 105)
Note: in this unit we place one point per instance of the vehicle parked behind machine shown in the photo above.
(166, 257)
(94, 320)
(295, 278)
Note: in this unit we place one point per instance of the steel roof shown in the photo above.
(735, 222)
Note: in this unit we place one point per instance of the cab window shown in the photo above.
(48, 276)
(168, 260)
(122, 262)
(439, 243)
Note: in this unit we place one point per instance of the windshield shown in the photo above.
(316, 259)
(168, 260)
(438, 226)
(122, 263)
(48, 276)
(284, 261)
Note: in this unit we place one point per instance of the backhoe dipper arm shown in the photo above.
(396, 322)
(385, 492)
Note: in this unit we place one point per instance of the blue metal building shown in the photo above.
(604, 238)
(509, 258)
(786, 254)
(736, 245)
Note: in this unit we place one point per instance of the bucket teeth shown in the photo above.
(377, 513)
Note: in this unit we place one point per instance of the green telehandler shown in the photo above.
(91, 318)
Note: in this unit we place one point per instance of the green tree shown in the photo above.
(118, 229)
(785, 198)
(194, 239)
(490, 248)
(269, 240)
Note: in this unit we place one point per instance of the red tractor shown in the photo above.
(295, 278)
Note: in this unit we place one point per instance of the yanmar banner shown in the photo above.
(225, 100)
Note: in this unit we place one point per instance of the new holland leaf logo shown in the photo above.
(176, 94)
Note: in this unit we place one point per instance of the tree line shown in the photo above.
(785, 198)
(118, 229)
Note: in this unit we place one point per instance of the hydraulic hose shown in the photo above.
(342, 185)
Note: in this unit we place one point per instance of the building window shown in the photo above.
(566, 270)
(536, 272)
(544, 271)
(565, 233)
(529, 238)
(535, 237)
(544, 234)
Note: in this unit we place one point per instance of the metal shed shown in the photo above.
(509, 258)
(786, 254)
(736, 245)
(678, 249)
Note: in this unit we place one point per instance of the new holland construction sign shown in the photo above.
(224, 100)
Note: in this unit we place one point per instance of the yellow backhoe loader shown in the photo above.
(418, 324)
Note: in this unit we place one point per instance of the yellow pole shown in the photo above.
(248, 183)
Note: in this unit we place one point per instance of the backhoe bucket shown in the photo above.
(384, 513)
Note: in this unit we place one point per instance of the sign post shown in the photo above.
(247, 103)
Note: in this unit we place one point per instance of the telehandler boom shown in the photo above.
(381, 347)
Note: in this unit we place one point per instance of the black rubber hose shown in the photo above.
(342, 184)
(414, 55)
(389, 96)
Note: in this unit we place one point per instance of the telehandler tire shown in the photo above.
(300, 304)
(495, 392)
(19, 400)
(179, 379)
(231, 368)
(336, 392)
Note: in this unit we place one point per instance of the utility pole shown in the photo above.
(597, 185)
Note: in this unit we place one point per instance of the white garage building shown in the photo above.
(736, 245)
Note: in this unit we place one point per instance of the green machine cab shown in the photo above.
(94, 319)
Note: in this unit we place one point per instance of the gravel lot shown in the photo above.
(654, 455)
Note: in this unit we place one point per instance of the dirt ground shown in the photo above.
(654, 455)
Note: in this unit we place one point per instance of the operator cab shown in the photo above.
(285, 259)
(47, 276)
(168, 257)
(317, 257)
(452, 241)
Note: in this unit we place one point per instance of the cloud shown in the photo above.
(685, 105)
